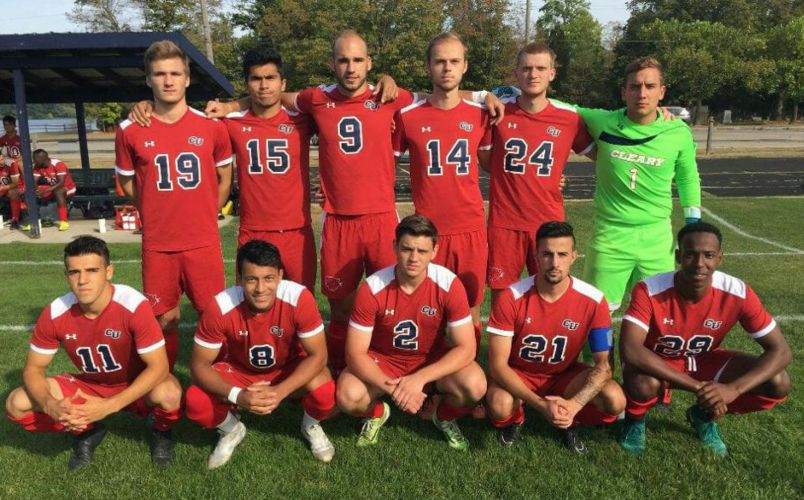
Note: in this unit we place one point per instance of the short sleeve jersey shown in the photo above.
(174, 165)
(273, 169)
(637, 164)
(49, 175)
(12, 145)
(356, 160)
(260, 342)
(443, 145)
(529, 153)
(107, 348)
(410, 325)
(547, 337)
(677, 327)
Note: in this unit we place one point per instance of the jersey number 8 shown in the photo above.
(261, 356)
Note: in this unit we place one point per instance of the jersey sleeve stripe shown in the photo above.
(208, 345)
(362, 328)
(587, 148)
(484, 148)
(312, 333)
(764, 331)
(118, 170)
(636, 322)
(152, 347)
(225, 161)
(459, 322)
(498, 331)
(42, 350)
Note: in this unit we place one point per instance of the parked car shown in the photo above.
(681, 113)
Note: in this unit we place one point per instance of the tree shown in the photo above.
(102, 15)
(786, 48)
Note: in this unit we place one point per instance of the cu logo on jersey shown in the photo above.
(285, 128)
(114, 334)
(278, 331)
(555, 132)
(464, 125)
(570, 325)
(712, 324)
(195, 141)
(429, 311)
(332, 283)
(372, 105)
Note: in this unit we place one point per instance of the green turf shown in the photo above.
(412, 460)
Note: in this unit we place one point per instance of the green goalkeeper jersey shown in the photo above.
(636, 165)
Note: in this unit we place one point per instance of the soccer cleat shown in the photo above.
(25, 227)
(84, 446)
(161, 443)
(64, 225)
(14, 225)
(510, 434)
(707, 431)
(452, 432)
(633, 437)
(371, 427)
(226, 446)
(573, 441)
(320, 444)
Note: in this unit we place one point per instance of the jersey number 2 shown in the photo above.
(534, 347)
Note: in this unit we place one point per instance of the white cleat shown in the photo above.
(226, 446)
(320, 444)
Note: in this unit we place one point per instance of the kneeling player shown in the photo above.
(276, 349)
(539, 326)
(110, 333)
(671, 335)
(397, 344)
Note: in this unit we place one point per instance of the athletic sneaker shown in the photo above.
(706, 430)
(24, 227)
(633, 437)
(226, 446)
(320, 444)
(64, 225)
(510, 434)
(573, 441)
(371, 427)
(84, 446)
(452, 432)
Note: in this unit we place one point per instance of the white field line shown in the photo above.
(739, 231)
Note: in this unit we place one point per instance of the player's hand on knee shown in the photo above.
(408, 394)
(141, 113)
(93, 409)
(714, 397)
(559, 412)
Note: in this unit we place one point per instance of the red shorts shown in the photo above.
(70, 384)
(352, 245)
(51, 195)
(509, 251)
(399, 366)
(236, 375)
(466, 255)
(296, 247)
(166, 275)
(703, 367)
(551, 384)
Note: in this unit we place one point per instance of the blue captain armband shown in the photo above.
(600, 339)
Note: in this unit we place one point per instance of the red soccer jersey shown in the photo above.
(177, 185)
(265, 341)
(10, 171)
(50, 174)
(356, 161)
(106, 349)
(13, 145)
(547, 337)
(443, 146)
(273, 169)
(677, 327)
(410, 324)
(528, 157)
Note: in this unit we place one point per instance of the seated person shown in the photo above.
(12, 186)
(53, 181)
(397, 340)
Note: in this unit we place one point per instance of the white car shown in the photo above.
(681, 113)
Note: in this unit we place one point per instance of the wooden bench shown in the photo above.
(95, 193)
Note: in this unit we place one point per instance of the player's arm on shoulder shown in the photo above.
(687, 179)
(219, 109)
(141, 112)
(386, 88)
(289, 100)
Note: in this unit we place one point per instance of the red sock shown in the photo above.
(446, 411)
(591, 415)
(41, 422)
(16, 207)
(320, 402)
(63, 213)
(636, 409)
(203, 409)
(164, 420)
(172, 346)
(517, 417)
(748, 403)
(336, 344)
(375, 412)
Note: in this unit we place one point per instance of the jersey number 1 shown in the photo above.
(188, 171)
(109, 364)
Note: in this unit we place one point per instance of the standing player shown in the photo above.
(671, 335)
(12, 187)
(271, 328)
(10, 142)
(53, 181)
(272, 148)
(444, 134)
(529, 151)
(397, 342)
(110, 334)
(639, 156)
(179, 171)
(539, 326)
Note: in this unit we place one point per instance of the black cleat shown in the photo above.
(161, 444)
(84, 446)
(509, 435)
(574, 442)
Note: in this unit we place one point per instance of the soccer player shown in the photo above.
(538, 327)
(671, 335)
(12, 187)
(179, 172)
(444, 134)
(10, 142)
(53, 181)
(529, 151)
(109, 333)
(639, 156)
(397, 341)
(276, 350)
(272, 151)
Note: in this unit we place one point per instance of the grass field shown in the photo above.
(412, 460)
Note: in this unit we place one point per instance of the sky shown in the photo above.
(43, 16)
